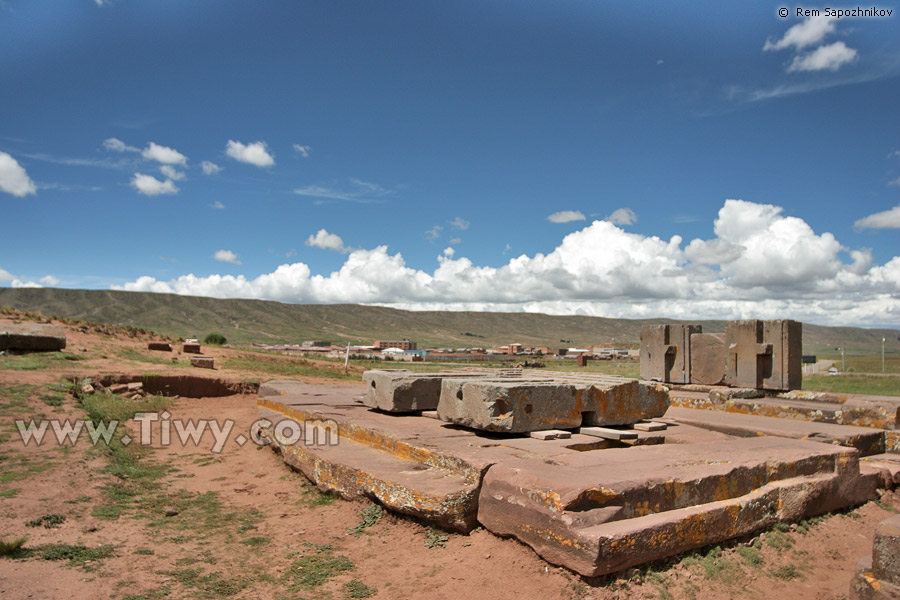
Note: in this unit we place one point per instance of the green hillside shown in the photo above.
(245, 321)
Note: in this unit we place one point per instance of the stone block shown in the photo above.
(763, 354)
(32, 337)
(608, 434)
(865, 586)
(401, 390)
(886, 551)
(163, 346)
(510, 406)
(619, 401)
(666, 352)
(203, 362)
(518, 406)
(551, 434)
(652, 426)
(707, 358)
(190, 348)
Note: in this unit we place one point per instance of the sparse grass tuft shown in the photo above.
(312, 571)
(750, 555)
(209, 585)
(370, 516)
(779, 540)
(10, 548)
(76, 554)
(435, 539)
(786, 572)
(313, 497)
(357, 589)
(714, 564)
(49, 521)
(256, 541)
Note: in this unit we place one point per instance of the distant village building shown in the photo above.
(402, 345)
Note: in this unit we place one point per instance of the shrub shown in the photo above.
(215, 339)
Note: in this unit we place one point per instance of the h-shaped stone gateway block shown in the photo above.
(666, 352)
(763, 354)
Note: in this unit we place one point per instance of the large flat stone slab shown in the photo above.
(352, 469)
(600, 512)
(31, 337)
(586, 503)
(882, 412)
(867, 441)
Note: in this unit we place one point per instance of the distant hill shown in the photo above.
(244, 321)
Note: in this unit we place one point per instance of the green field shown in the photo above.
(854, 384)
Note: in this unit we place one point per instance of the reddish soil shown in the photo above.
(391, 556)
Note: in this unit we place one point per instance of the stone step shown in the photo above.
(867, 441)
(881, 412)
(600, 512)
(358, 470)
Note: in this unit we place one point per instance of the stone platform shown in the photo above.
(882, 412)
(592, 505)
(514, 403)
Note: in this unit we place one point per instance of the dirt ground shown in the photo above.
(243, 525)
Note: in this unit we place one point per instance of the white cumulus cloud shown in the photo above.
(171, 172)
(566, 216)
(117, 145)
(302, 150)
(151, 186)
(163, 154)
(210, 168)
(49, 280)
(327, 241)
(759, 263)
(622, 216)
(831, 57)
(459, 223)
(806, 33)
(254, 154)
(13, 178)
(226, 256)
(887, 219)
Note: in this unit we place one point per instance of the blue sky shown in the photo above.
(704, 161)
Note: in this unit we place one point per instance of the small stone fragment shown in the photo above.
(203, 362)
(651, 426)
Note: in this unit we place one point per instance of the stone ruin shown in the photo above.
(751, 354)
(595, 473)
(31, 337)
